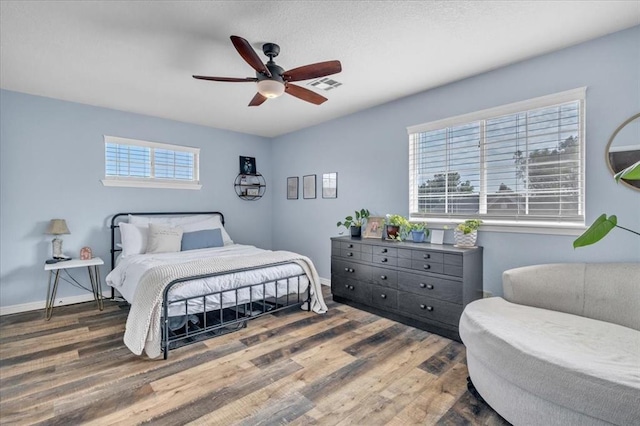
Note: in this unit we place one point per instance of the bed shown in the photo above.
(187, 281)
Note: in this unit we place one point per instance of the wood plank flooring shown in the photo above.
(347, 367)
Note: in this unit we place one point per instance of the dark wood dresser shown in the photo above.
(419, 284)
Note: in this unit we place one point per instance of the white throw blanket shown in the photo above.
(143, 323)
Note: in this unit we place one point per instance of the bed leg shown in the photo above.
(309, 297)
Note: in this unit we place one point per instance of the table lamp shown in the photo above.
(57, 227)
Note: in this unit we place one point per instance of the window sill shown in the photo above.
(148, 184)
(511, 227)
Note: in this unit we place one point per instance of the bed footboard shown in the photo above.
(228, 310)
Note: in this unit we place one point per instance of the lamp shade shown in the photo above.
(57, 227)
(270, 88)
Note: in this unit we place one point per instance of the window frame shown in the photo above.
(152, 182)
(518, 225)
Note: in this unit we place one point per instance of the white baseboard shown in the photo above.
(325, 281)
(34, 306)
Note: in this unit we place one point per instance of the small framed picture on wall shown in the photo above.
(248, 165)
(330, 185)
(309, 186)
(292, 188)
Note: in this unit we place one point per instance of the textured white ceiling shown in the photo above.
(139, 56)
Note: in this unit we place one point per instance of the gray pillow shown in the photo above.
(202, 239)
(164, 239)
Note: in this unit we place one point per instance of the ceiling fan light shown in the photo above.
(270, 88)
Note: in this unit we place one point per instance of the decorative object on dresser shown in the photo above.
(437, 236)
(355, 223)
(466, 233)
(374, 227)
(397, 226)
(418, 231)
(57, 227)
(85, 253)
(423, 285)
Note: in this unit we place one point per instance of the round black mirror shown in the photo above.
(623, 148)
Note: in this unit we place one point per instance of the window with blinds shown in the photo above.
(522, 162)
(130, 162)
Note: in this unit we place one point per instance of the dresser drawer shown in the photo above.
(429, 286)
(426, 266)
(429, 308)
(384, 297)
(381, 259)
(428, 256)
(384, 277)
(385, 251)
(351, 289)
(351, 254)
(350, 270)
(350, 246)
(455, 271)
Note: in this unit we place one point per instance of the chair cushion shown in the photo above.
(585, 365)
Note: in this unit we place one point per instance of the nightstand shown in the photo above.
(55, 269)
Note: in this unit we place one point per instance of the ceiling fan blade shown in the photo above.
(258, 99)
(249, 55)
(304, 94)
(227, 79)
(307, 72)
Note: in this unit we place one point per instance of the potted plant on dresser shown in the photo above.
(466, 233)
(396, 226)
(418, 231)
(355, 223)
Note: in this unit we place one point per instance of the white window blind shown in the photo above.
(517, 163)
(131, 162)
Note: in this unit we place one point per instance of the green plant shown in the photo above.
(397, 220)
(417, 226)
(603, 224)
(359, 219)
(469, 225)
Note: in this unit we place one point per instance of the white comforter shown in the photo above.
(126, 276)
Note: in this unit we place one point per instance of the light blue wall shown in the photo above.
(369, 150)
(51, 163)
(52, 160)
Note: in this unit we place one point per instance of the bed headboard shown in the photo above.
(122, 217)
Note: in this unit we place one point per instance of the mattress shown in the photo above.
(129, 270)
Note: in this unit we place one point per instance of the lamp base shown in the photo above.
(57, 249)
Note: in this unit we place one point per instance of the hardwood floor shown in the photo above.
(344, 367)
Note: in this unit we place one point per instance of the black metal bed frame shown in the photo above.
(220, 321)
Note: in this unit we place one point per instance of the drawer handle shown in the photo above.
(346, 269)
(349, 254)
(351, 270)
(346, 286)
(350, 287)
(350, 246)
(423, 285)
(430, 286)
(384, 250)
(428, 308)
(427, 256)
(384, 260)
(383, 277)
(384, 296)
(427, 266)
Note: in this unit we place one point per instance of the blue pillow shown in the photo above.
(202, 239)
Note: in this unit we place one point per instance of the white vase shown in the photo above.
(465, 240)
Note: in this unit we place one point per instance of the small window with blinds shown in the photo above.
(136, 163)
(519, 163)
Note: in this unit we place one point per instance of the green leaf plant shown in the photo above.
(603, 224)
(359, 219)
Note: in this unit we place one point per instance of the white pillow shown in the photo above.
(164, 239)
(133, 239)
(168, 220)
(213, 222)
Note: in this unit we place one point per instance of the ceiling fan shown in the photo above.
(272, 79)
